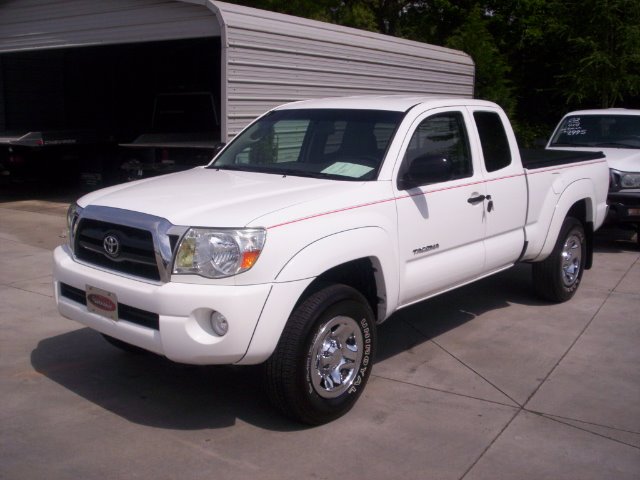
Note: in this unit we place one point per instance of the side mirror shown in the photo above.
(424, 170)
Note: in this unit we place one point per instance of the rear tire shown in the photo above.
(558, 277)
(324, 357)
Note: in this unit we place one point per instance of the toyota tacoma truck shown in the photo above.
(615, 132)
(315, 224)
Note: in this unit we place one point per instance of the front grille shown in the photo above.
(125, 312)
(136, 254)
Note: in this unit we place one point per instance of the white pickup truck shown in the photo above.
(315, 224)
(616, 133)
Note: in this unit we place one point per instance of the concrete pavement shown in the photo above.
(482, 383)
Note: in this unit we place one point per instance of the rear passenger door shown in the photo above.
(506, 188)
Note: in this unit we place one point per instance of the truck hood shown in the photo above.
(216, 198)
(623, 159)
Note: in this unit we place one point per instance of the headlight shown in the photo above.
(218, 253)
(622, 180)
(73, 213)
(630, 180)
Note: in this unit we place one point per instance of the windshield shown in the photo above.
(615, 131)
(321, 143)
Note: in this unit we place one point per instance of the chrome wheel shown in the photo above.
(571, 260)
(336, 354)
(324, 356)
(558, 276)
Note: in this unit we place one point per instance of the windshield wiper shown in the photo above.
(284, 172)
(241, 168)
(302, 173)
(280, 171)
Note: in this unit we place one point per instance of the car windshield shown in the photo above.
(614, 131)
(321, 143)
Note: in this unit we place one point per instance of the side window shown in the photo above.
(438, 151)
(493, 138)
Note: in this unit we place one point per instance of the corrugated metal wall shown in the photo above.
(267, 58)
(273, 58)
(37, 24)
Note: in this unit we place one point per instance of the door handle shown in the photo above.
(481, 198)
(476, 200)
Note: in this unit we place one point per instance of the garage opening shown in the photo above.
(104, 114)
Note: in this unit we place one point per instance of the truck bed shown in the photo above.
(540, 158)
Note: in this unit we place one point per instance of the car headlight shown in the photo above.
(73, 214)
(621, 180)
(218, 253)
(630, 180)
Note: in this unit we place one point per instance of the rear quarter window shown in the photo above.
(494, 141)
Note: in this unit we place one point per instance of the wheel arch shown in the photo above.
(575, 201)
(582, 211)
(360, 258)
(362, 274)
(338, 258)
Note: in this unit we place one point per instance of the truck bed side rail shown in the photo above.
(539, 158)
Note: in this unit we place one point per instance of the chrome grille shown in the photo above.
(135, 253)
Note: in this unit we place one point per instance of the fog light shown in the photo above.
(219, 324)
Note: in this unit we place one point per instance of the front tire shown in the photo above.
(558, 277)
(324, 357)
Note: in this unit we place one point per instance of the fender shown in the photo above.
(312, 261)
(342, 247)
(338, 248)
(580, 190)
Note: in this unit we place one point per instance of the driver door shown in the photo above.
(440, 203)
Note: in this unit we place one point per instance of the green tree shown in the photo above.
(357, 14)
(433, 21)
(602, 39)
(492, 70)
(528, 33)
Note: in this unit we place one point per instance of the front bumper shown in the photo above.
(170, 319)
(624, 207)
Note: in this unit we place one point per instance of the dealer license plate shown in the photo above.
(102, 302)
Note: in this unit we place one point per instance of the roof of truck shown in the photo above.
(605, 111)
(400, 103)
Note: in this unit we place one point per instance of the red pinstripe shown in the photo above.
(377, 202)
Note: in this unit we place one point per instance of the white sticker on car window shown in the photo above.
(573, 127)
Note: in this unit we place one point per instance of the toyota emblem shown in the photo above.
(111, 245)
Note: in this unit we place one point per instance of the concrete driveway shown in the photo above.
(482, 383)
